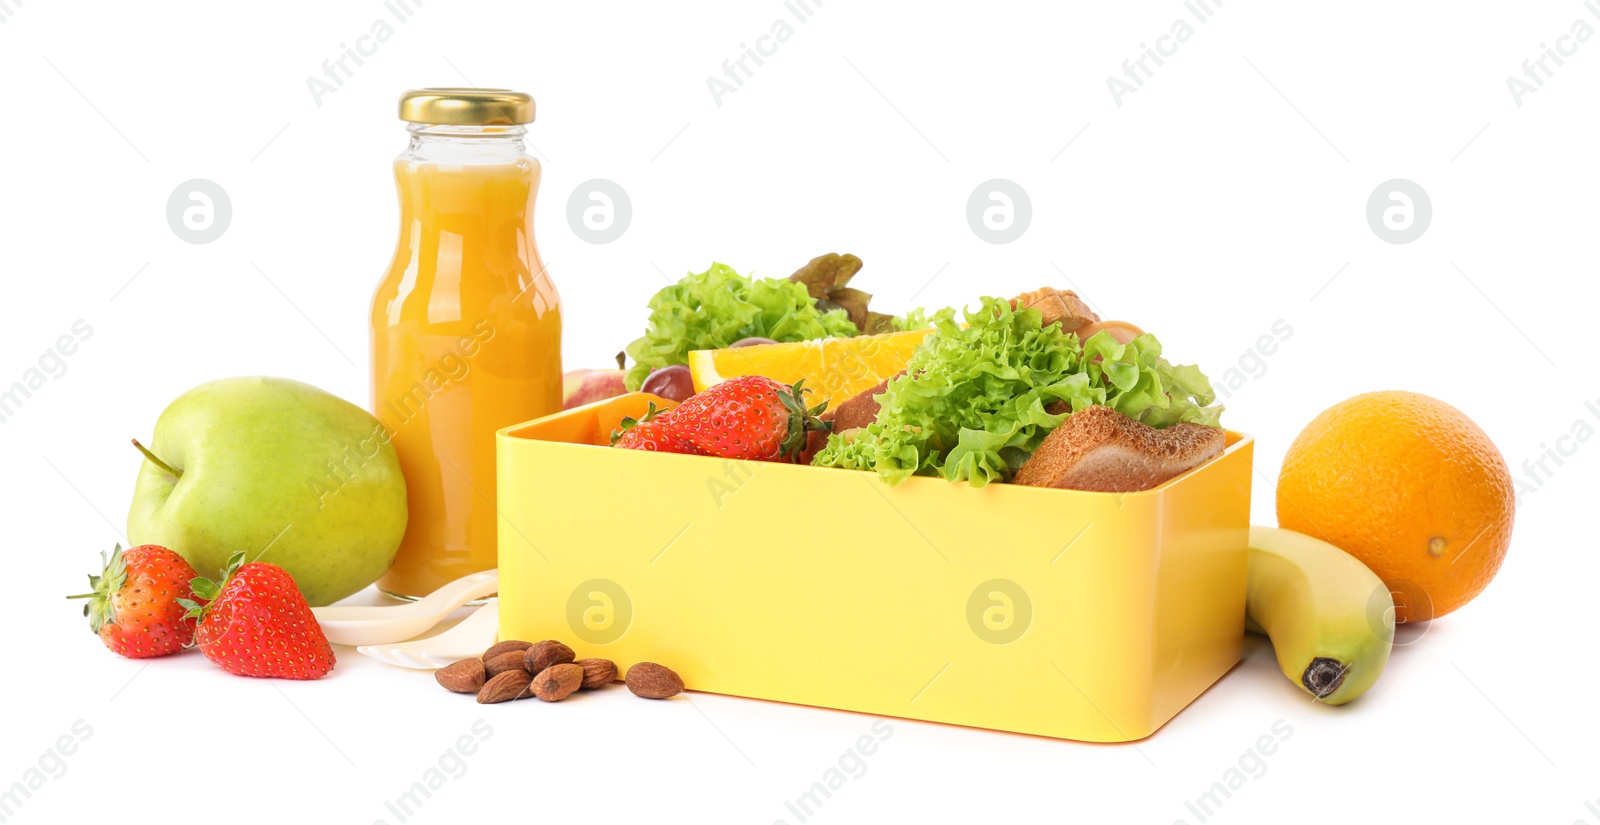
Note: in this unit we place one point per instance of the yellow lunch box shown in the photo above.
(1078, 615)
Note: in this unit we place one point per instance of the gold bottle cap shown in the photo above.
(466, 107)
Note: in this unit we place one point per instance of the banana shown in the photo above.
(1331, 620)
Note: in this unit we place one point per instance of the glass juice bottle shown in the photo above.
(466, 326)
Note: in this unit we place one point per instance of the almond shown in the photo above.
(597, 673)
(465, 676)
(557, 682)
(512, 684)
(506, 647)
(510, 660)
(546, 653)
(652, 681)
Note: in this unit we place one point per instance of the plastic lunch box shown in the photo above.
(1078, 615)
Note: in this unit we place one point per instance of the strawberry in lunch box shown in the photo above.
(749, 418)
(648, 432)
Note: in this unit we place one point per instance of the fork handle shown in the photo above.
(468, 588)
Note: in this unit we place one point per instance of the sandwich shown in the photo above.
(1098, 448)
(1036, 390)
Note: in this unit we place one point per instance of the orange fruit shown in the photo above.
(834, 369)
(1410, 486)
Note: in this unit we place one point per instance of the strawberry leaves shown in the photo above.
(801, 420)
(629, 422)
(206, 591)
(113, 575)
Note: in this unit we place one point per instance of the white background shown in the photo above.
(1222, 196)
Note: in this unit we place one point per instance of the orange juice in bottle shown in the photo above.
(466, 327)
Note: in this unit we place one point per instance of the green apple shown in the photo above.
(280, 471)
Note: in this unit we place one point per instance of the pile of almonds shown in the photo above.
(549, 670)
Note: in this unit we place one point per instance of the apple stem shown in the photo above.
(151, 457)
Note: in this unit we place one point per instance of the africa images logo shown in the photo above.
(599, 611)
(999, 611)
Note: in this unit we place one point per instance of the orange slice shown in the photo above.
(834, 369)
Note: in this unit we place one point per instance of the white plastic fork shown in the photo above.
(387, 624)
(469, 638)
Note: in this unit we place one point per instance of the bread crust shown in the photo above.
(862, 409)
(1102, 450)
(857, 411)
(1055, 305)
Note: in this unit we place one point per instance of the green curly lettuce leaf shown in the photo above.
(715, 308)
(915, 319)
(972, 403)
(1145, 387)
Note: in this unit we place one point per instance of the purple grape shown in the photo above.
(751, 342)
(672, 383)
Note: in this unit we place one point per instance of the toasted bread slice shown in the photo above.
(1062, 305)
(862, 409)
(857, 411)
(1100, 449)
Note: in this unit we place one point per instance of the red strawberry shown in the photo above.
(256, 623)
(750, 418)
(647, 433)
(134, 608)
(655, 439)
